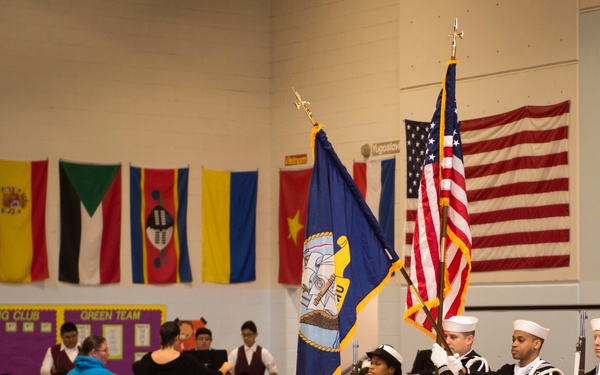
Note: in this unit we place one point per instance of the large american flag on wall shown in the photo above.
(517, 171)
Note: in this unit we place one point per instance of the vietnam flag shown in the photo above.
(159, 250)
(229, 226)
(293, 199)
(375, 180)
(90, 218)
(23, 255)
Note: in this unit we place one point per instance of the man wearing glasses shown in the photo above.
(92, 360)
(203, 338)
(59, 358)
(251, 358)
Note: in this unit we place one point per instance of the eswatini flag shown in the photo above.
(159, 251)
(23, 255)
(90, 223)
(375, 180)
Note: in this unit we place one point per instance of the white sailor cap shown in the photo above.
(460, 323)
(390, 355)
(531, 328)
(595, 323)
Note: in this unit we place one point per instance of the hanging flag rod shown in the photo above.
(455, 33)
(304, 104)
(444, 205)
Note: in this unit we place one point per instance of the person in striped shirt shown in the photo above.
(595, 323)
(459, 333)
(527, 341)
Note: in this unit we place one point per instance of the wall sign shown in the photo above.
(29, 330)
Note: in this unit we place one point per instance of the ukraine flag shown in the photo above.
(229, 226)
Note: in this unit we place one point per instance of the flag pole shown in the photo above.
(443, 202)
(442, 272)
(304, 104)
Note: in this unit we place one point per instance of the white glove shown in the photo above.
(454, 364)
(439, 357)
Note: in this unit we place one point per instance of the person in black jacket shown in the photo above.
(203, 338)
(527, 341)
(169, 361)
(595, 323)
(385, 360)
(459, 333)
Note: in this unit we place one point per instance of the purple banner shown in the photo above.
(27, 332)
(129, 333)
(26, 336)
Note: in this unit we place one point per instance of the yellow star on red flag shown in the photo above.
(294, 227)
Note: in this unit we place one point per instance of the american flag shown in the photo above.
(518, 176)
(441, 183)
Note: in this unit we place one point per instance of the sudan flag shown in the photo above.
(23, 256)
(90, 223)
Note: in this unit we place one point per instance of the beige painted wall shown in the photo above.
(208, 84)
(512, 55)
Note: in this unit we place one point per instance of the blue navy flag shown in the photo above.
(347, 261)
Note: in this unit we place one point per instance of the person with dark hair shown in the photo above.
(250, 358)
(385, 360)
(527, 341)
(59, 358)
(92, 360)
(364, 367)
(203, 338)
(169, 361)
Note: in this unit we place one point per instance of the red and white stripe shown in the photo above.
(518, 189)
(424, 271)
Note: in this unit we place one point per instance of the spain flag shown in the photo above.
(23, 255)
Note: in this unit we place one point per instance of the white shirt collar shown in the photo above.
(466, 354)
(525, 370)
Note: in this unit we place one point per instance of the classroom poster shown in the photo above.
(28, 331)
